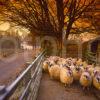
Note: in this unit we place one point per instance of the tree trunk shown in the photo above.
(60, 46)
(69, 28)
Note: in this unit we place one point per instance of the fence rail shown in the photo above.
(91, 57)
(25, 87)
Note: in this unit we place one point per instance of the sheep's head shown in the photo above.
(96, 72)
(77, 69)
(87, 76)
(56, 61)
(65, 65)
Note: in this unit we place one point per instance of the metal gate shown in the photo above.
(26, 86)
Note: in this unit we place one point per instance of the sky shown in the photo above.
(4, 26)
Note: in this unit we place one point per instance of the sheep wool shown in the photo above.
(91, 69)
(85, 64)
(66, 76)
(45, 66)
(77, 71)
(79, 62)
(85, 79)
(54, 72)
(96, 82)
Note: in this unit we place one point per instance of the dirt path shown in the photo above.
(10, 67)
(54, 90)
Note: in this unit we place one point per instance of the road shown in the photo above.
(54, 90)
(11, 66)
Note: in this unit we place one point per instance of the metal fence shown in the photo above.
(91, 57)
(26, 85)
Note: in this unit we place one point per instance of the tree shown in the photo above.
(93, 13)
(45, 17)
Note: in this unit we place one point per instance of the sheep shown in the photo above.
(77, 71)
(79, 62)
(96, 70)
(85, 64)
(96, 80)
(85, 79)
(54, 72)
(90, 69)
(45, 66)
(66, 76)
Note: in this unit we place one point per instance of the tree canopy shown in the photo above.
(45, 17)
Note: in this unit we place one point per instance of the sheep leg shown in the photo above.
(88, 88)
(83, 88)
(65, 85)
(68, 85)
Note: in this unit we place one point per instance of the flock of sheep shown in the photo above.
(71, 69)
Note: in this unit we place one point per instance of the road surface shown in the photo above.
(54, 90)
(11, 66)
